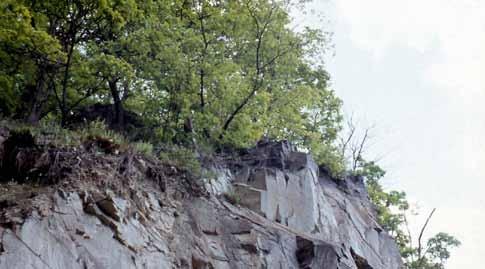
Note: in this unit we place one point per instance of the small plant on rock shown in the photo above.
(232, 197)
(144, 148)
(182, 157)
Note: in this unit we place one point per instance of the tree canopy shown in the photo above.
(234, 71)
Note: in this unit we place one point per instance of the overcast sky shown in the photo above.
(416, 69)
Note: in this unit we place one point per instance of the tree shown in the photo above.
(392, 210)
(392, 207)
(89, 34)
(30, 57)
(234, 71)
(71, 23)
(51, 43)
(434, 254)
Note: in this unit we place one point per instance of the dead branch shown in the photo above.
(420, 256)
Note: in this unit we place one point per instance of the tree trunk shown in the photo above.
(34, 115)
(119, 111)
(37, 100)
(63, 104)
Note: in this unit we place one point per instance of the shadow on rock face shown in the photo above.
(19, 156)
(22, 160)
(360, 261)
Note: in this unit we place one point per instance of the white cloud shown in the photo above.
(454, 27)
(450, 37)
(455, 220)
(453, 31)
(377, 24)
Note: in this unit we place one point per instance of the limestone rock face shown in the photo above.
(285, 186)
(285, 214)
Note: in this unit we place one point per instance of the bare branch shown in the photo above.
(360, 149)
(420, 256)
(345, 142)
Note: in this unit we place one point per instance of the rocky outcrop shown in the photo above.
(285, 186)
(284, 214)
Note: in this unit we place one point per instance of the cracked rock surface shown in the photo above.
(286, 215)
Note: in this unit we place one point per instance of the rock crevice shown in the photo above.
(284, 215)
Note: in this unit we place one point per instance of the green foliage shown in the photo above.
(234, 69)
(182, 157)
(392, 208)
(438, 247)
(47, 132)
(98, 129)
(55, 134)
(27, 52)
(144, 148)
(434, 255)
(387, 203)
(7, 95)
(232, 198)
(329, 157)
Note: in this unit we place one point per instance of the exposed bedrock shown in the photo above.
(284, 214)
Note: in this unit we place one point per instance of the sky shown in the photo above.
(416, 70)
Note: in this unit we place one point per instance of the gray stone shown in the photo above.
(287, 217)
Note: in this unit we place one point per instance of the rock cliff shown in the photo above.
(268, 207)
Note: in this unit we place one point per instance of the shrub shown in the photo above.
(182, 157)
(232, 198)
(144, 148)
(50, 132)
(99, 129)
(328, 157)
